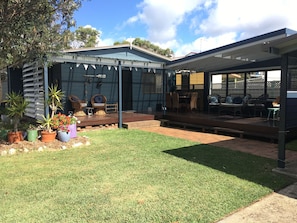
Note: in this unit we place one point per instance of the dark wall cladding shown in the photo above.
(72, 80)
(291, 113)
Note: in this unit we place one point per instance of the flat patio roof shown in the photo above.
(266, 47)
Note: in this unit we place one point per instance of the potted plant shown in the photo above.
(55, 97)
(16, 107)
(47, 133)
(54, 102)
(61, 122)
(72, 126)
(32, 133)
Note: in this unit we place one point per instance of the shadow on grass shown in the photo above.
(245, 166)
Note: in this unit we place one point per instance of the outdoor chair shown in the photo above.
(175, 102)
(169, 101)
(98, 102)
(193, 102)
(77, 105)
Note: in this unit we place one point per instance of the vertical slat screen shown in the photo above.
(33, 90)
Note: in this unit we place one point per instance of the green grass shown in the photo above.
(132, 176)
(292, 145)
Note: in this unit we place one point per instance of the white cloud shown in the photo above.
(163, 17)
(208, 24)
(91, 27)
(206, 43)
(248, 18)
(105, 42)
(228, 21)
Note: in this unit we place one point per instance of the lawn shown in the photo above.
(292, 145)
(132, 176)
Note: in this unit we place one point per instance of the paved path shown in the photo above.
(280, 207)
(259, 148)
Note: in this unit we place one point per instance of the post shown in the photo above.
(45, 77)
(281, 162)
(164, 105)
(120, 124)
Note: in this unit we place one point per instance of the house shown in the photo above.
(274, 51)
(138, 79)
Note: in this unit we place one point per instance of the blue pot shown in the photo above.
(63, 136)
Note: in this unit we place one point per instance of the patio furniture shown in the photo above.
(233, 105)
(175, 101)
(111, 108)
(78, 105)
(98, 102)
(169, 101)
(193, 102)
(230, 107)
(274, 111)
(259, 104)
(90, 111)
(213, 102)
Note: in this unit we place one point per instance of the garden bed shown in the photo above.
(26, 146)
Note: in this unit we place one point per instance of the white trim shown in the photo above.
(291, 94)
(79, 59)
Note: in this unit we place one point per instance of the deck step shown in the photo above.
(227, 130)
(141, 124)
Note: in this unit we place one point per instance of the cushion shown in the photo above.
(98, 104)
(246, 98)
(213, 99)
(237, 100)
(229, 99)
(98, 99)
(83, 104)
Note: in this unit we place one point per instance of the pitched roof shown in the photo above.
(127, 46)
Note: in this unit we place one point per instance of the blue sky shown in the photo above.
(188, 25)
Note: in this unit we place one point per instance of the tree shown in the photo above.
(30, 29)
(149, 46)
(86, 36)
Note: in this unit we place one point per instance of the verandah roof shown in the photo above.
(250, 51)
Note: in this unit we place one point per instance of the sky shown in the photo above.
(185, 26)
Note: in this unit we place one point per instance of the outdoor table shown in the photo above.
(89, 111)
(274, 112)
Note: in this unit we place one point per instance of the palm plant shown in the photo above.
(46, 123)
(55, 97)
(16, 107)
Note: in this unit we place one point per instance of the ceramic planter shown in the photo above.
(63, 136)
(32, 135)
(73, 131)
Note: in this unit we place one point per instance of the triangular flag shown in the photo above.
(86, 66)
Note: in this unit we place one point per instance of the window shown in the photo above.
(182, 80)
(197, 80)
(236, 84)
(152, 83)
(255, 84)
(273, 83)
(218, 84)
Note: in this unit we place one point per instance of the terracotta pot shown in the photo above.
(48, 136)
(15, 137)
